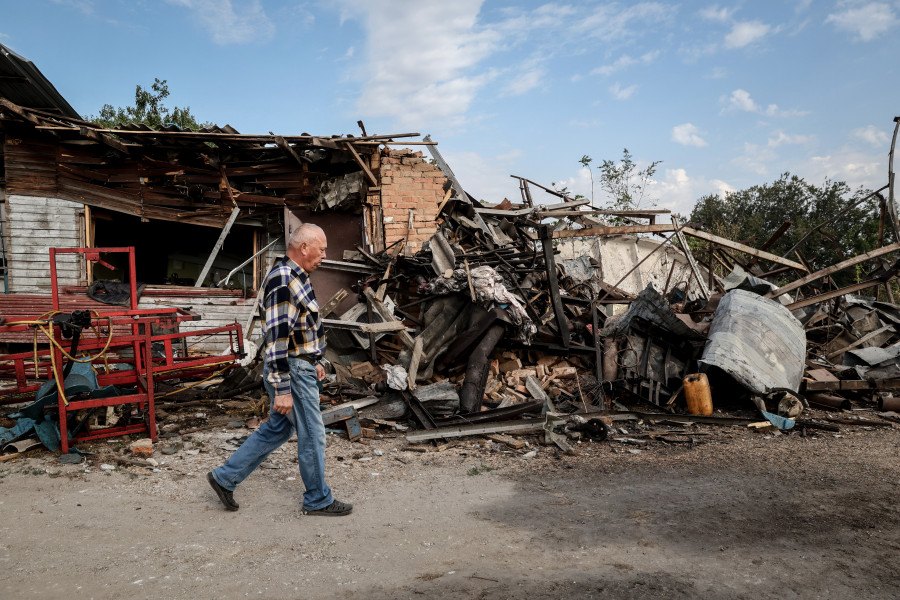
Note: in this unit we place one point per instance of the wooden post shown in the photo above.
(562, 323)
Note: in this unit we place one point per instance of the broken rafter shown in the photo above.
(362, 164)
(833, 269)
(771, 241)
(282, 143)
(835, 293)
(704, 291)
(104, 138)
(621, 230)
(743, 248)
(387, 315)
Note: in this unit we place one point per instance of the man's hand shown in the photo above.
(283, 403)
(320, 372)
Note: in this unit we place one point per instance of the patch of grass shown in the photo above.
(479, 470)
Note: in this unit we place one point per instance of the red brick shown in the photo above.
(142, 447)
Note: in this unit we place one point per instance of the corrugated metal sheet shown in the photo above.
(21, 82)
(757, 341)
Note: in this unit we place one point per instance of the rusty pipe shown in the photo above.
(889, 403)
(828, 401)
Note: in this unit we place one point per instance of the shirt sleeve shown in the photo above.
(280, 315)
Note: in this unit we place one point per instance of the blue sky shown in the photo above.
(727, 95)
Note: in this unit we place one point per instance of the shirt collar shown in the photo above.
(293, 266)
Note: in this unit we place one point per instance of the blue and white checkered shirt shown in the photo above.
(293, 326)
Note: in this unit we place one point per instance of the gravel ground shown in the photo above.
(719, 512)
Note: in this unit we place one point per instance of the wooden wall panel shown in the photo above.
(35, 225)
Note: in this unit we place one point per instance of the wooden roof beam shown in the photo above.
(362, 164)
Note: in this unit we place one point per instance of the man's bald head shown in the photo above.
(307, 246)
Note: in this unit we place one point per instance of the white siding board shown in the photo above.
(36, 224)
(214, 312)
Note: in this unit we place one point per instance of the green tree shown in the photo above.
(626, 185)
(148, 109)
(752, 215)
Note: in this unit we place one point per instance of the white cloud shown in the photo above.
(350, 52)
(746, 33)
(755, 158)
(85, 7)
(421, 59)
(230, 25)
(678, 192)
(741, 100)
(578, 184)
(871, 134)
(620, 93)
(866, 20)
(526, 81)
(673, 189)
(779, 137)
(610, 22)
(714, 13)
(487, 177)
(854, 168)
(623, 62)
(687, 134)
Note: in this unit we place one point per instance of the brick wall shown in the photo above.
(410, 183)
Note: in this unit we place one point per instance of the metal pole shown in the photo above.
(217, 247)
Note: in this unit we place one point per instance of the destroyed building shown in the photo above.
(196, 206)
(441, 309)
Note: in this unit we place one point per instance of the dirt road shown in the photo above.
(736, 515)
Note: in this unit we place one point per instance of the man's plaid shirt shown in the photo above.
(292, 324)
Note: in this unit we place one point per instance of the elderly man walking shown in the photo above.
(294, 346)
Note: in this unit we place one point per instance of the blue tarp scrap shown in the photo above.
(30, 419)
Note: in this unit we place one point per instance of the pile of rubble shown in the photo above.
(489, 330)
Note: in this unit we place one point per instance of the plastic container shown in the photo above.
(697, 394)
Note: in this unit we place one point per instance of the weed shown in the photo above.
(478, 471)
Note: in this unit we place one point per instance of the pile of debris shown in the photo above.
(489, 330)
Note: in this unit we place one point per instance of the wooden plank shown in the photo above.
(362, 164)
(417, 354)
(854, 385)
(387, 315)
(743, 248)
(338, 297)
(466, 430)
(105, 138)
(562, 205)
(382, 327)
(282, 143)
(504, 213)
(833, 269)
(833, 294)
(512, 442)
(620, 230)
(860, 341)
(217, 246)
(686, 250)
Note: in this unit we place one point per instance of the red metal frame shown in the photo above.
(145, 370)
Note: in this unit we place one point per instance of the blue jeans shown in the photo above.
(307, 419)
